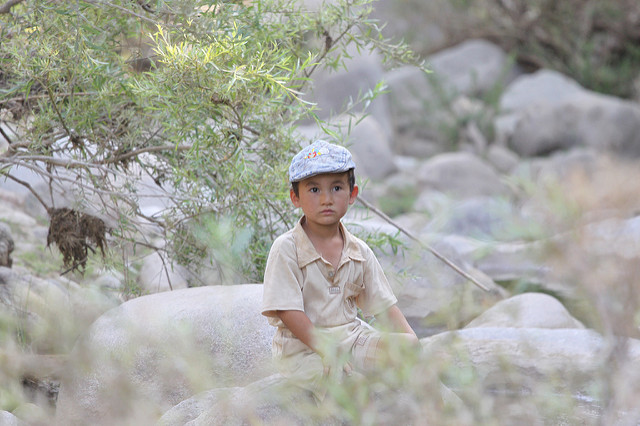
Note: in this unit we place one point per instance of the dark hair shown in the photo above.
(351, 177)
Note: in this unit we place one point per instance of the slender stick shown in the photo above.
(6, 137)
(30, 188)
(428, 247)
(58, 95)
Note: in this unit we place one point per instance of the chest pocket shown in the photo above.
(351, 293)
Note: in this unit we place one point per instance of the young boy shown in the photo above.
(318, 274)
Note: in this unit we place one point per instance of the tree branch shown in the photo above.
(59, 162)
(30, 188)
(140, 151)
(4, 134)
(73, 164)
(125, 10)
(64, 95)
(177, 200)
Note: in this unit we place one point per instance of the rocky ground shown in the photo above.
(543, 212)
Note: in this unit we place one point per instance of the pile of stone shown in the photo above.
(201, 355)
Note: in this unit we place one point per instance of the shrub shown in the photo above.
(188, 101)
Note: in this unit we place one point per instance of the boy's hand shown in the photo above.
(335, 373)
(301, 327)
(396, 321)
(348, 369)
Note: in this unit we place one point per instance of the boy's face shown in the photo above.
(324, 198)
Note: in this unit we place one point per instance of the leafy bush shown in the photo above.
(196, 102)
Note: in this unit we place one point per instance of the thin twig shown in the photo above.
(118, 193)
(61, 95)
(125, 10)
(4, 134)
(30, 188)
(416, 239)
(57, 162)
(334, 42)
(325, 51)
(275, 209)
(166, 271)
(72, 137)
(140, 151)
(74, 164)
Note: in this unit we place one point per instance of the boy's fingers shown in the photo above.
(348, 369)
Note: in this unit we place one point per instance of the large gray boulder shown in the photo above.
(417, 100)
(526, 376)
(525, 372)
(432, 295)
(485, 218)
(547, 112)
(510, 261)
(471, 67)
(191, 408)
(560, 166)
(276, 401)
(13, 209)
(150, 353)
(504, 262)
(410, 92)
(20, 218)
(51, 312)
(8, 419)
(528, 310)
(544, 87)
(461, 175)
(370, 147)
(549, 351)
(269, 401)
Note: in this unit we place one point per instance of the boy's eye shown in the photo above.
(337, 188)
(313, 189)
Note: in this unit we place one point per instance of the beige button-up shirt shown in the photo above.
(298, 278)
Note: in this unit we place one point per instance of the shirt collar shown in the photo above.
(307, 253)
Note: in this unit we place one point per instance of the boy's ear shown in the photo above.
(294, 198)
(354, 194)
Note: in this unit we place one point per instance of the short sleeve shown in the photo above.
(378, 295)
(282, 289)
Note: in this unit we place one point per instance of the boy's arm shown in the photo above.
(396, 321)
(300, 325)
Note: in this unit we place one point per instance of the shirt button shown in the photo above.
(331, 274)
